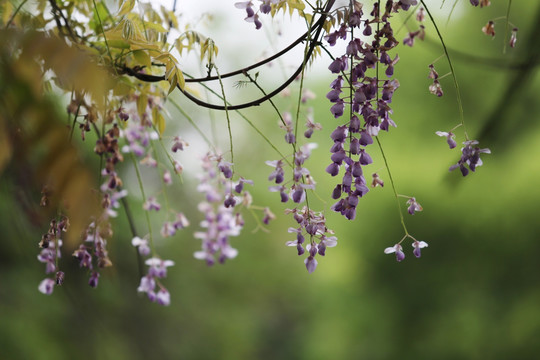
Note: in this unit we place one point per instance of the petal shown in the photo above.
(201, 255)
(136, 241)
(311, 264)
(46, 286)
(153, 261)
(229, 252)
(390, 250)
(168, 263)
(331, 241)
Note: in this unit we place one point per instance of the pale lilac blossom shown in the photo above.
(398, 250)
(46, 286)
(417, 245)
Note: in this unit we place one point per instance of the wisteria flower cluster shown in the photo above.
(359, 87)
(398, 249)
(221, 221)
(157, 269)
(470, 156)
(313, 226)
(51, 245)
(252, 16)
(94, 246)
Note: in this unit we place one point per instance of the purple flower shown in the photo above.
(338, 65)
(240, 186)
(149, 161)
(413, 206)
(326, 243)
(158, 267)
(333, 95)
(84, 257)
(151, 204)
(432, 72)
(48, 256)
(141, 245)
(417, 245)
(163, 297)
(278, 174)
(268, 215)
(311, 264)
(365, 159)
(377, 181)
(166, 230)
(513, 37)
(225, 168)
(339, 134)
(283, 195)
(167, 179)
(470, 155)
(178, 144)
(436, 88)
(400, 255)
(337, 108)
(449, 138)
(181, 221)
(94, 278)
(46, 286)
(147, 284)
(229, 201)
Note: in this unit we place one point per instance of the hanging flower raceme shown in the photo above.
(220, 219)
(367, 96)
(253, 15)
(470, 157)
(50, 254)
(311, 225)
(157, 269)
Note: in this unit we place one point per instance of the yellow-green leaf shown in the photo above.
(142, 101)
(126, 7)
(158, 120)
(173, 81)
(141, 57)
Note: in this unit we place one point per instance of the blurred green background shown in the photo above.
(474, 294)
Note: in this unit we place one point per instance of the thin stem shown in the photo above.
(131, 223)
(451, 12)
(161, 173)
(141, 14)
(351, 69)
(103, 32)
(304, 62)
(74, 122)
(254, 81)
(190, 120)
(249, 122)
(226, 115)
(458, 94)
(15, 13)
(171, 160)
(146, 212)
(507, 26)
(393, 187)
